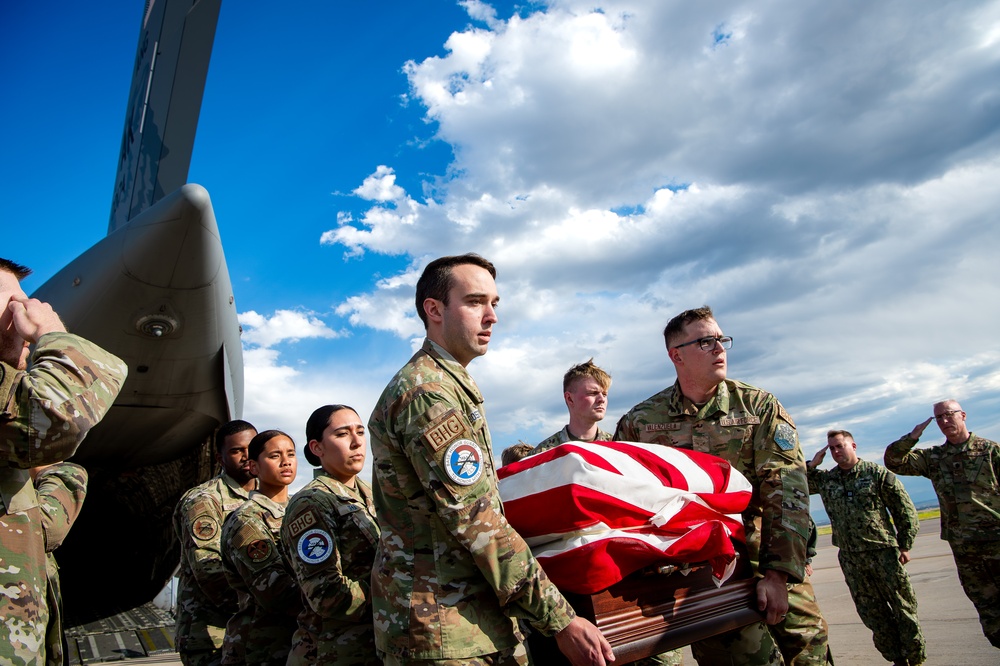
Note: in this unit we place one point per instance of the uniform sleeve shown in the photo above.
(61, 490)
(814, 475)
(626, 431)
(470, 511)
(904, 514)
(901, 460)
(257, 560)
(46, 411)
(780, 469)
(314, 555)
(198, 523)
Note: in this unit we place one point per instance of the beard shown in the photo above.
(12, 351)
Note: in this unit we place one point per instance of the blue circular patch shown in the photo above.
(463, 462)
(315, 546)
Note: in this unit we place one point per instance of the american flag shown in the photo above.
(595, 512)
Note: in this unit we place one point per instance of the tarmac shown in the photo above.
(947, 617)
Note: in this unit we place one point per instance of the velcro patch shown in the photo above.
(654, 427)
(463, 462)
(784, 437)
(743, 420)
(259, 550)
(315, 546)
(302, 523)
(204, 528)
(442, 433)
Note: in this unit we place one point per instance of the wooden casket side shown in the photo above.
(649, 613)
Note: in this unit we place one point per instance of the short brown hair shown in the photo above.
(842, 433)
(676, 325)
(435, 282)
(515, 452)
(587, 369)
(19, 271)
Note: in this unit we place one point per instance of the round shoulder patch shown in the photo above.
(463, 462)
(315, 546)
(259, 550)
(205, 528)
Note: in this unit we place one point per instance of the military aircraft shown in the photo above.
(155, 291)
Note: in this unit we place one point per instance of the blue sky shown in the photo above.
(825, 176)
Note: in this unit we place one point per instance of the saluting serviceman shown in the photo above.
(874, 525)
(747, 426)
(451, 577)
(965, 471)
(205, 602)
(47, 406)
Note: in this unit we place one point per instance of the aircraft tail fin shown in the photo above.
(171, 65)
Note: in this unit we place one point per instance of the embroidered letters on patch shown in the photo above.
(205, 528)
(444, 432)
(740, 421)
(463, 462)
(654, 427)
(302, 523)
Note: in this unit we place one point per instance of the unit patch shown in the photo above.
(463, 462)
(654, 427)
(302, 523)
(259, 550)
(315, 546)
(740, 421)
(441, 433)
(784, 437)
(205, 528)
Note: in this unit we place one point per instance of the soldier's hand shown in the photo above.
(32, 318)
(772, 596)
(918, 429)
(584, 644)
(818, 458)
(904, 556)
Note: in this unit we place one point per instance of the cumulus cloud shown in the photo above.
(825, 179)
(282, 326)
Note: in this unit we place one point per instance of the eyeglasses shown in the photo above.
(946, 415)
(708, 344)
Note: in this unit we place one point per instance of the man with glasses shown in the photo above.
(965, 471)
(704, 411)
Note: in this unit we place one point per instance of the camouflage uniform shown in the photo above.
(564, 436)
(451, 577)
(45, 412)
(749, 428)
(61, 489)
(329, 537)
(205, 602)
(254, 565)
(966, 478)
(873, 519)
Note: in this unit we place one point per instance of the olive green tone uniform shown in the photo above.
(255, 567)
(451, 576)
(45, 412)
(205, 602)
(564, 436)
(749, 428)
(329, 537)
(61, 489)
(873, 519)
(966, 478)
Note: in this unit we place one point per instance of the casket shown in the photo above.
(660, 609)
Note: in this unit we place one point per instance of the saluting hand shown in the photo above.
(918, 429)
(818, 458)
(32, 318)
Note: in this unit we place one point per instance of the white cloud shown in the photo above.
(825, 179)
(282, 326)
